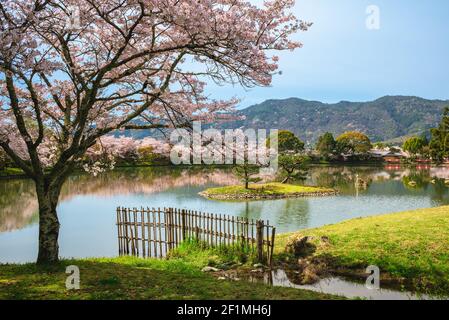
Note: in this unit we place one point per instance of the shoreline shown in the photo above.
(340, 250)
(4, 175)
(249, 196)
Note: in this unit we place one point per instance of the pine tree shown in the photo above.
(439, 144)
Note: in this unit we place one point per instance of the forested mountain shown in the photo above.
(387, 118)
(390, 118)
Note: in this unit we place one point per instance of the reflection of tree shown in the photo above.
(18, 204)
(295, 213)
(286, 212)
(144, 180)
(252, 210)
(417, 180)
(427, 180)
(348, 180)
(440, 192)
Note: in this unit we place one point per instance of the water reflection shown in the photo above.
(341, 287)
(88, 203)
(18, 204)
(19, 207)
(358, 180)
(285, 211)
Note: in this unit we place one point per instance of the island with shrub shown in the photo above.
(273, 190)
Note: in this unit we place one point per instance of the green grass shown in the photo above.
(7, 172)
(177, 278)
(200, 254)
(273, 188)
(412, 245)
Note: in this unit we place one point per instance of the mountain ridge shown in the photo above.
(386, 118)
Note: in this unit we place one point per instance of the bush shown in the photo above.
(147, 155)
(201, 254)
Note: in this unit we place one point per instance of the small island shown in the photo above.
(271, 190)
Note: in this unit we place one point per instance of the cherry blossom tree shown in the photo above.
(109, 149)
(73, 71)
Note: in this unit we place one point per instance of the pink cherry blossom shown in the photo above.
(72, 72)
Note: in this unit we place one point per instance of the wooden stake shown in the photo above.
(259, 233)
(142, 225)
(149, 232)
(160, 235)
(118, 232)
(273, 234)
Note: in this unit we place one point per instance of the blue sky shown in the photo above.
(343, 60)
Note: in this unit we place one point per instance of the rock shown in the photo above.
(303, 263)
(221, 278)
(225, 266)
(308, 271)
(256, 271)
(258, 265)
(310, 276)
(299, 247)
(210, 269)
(325, 239)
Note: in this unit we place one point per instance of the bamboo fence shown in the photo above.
(151, 232)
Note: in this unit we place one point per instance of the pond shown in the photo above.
(87, 206)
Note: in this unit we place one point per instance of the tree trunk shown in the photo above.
(246, 178)
(48, 223)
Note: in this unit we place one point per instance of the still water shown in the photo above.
(341, 287)
(87, 205)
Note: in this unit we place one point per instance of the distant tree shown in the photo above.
(248, 158)
(439, 143)
(424, 137)
(109, 151)
(426, 151)
(288, 142)
(415, 145)
(326, 145)
(146, 153)
(246, 173)
(353, 142)
(394, 149)
(293, 167)
(379, 145)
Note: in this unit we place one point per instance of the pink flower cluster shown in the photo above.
(74, 71)
(109, 149)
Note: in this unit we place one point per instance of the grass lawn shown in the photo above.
(412, 245)
(266, 189)
(179, 278)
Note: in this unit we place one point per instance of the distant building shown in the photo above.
(389, 155)
(424, 161)
(393, 157)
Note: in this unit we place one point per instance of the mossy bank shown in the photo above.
(410, 248)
